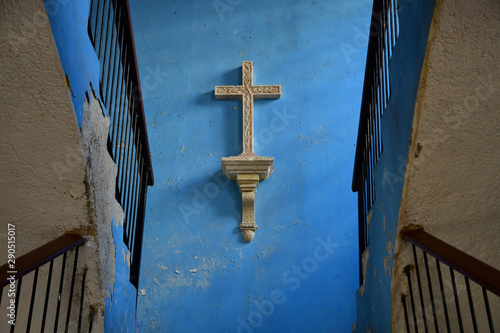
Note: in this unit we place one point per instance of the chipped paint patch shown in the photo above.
(126, 256)
(388, 247)
(365, 257)
(388, 258)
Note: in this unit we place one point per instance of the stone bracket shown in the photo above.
(248, 170)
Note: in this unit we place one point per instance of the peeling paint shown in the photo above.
(369, 217)
(389, 242)
(126, 256)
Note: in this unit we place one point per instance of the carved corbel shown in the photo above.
(247, 171)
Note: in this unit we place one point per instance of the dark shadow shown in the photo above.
(233, 119)
(232, 77)
(228, 201)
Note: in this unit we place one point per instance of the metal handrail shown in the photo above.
(476, 270)
(46, 262)
(134, 69)
(383, 19)
(40, 256)
(126, 43)
(375, 98)
(429, 304)
(110, 31)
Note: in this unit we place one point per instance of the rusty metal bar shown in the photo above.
(47, 296)
(138, 106)
(420, 291)
(59, 295)
(407, 323)
(70, 301)
(407, 271)
(488, 311)
(443, 298)
(457, 301)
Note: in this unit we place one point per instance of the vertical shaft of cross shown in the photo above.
(247, 99)
(248, 124)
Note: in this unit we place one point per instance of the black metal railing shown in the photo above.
(451, 293)
(44, 290)
(110, 31)
(376, 93)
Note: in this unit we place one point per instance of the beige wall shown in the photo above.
(41, 164)
(47, 186)
(452, 184)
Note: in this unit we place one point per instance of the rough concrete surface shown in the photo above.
(49, 186)
(42, 166)
(452, 181)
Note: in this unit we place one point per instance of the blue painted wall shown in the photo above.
(374, 305)
(120, 308)
(68, 21)
(300, 273)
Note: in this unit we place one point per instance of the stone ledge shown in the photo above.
(248, 164)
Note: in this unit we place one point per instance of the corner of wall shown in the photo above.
(113, 296)
(374, 297)
(118, 293)
(411, 164)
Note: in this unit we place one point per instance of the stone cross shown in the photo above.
(248, 171)
(247, 92)
(248, 168)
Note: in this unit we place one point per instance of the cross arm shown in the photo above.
(229, 92)
(266, 92)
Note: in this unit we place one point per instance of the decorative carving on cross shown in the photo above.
(247, 169)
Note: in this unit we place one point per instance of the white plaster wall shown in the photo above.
(101, 176)
(452, 181)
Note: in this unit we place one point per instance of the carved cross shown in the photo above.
(247, 169)
(247, 92)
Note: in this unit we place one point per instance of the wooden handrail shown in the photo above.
(474, 269)
(36, 258)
